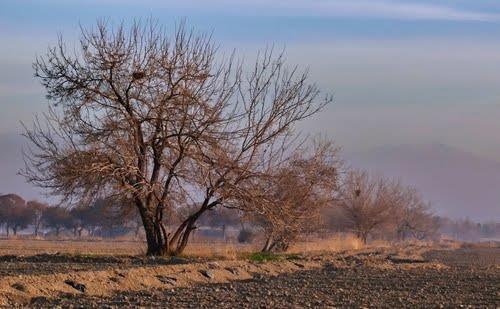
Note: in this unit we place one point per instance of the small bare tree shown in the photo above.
(7, 203)
(414, 218)
(57, 218)
(37, 208)
(367, 203)
(20, 218)
(161, 122)
(14, 213)
(287, 202)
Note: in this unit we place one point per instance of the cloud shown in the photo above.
(384, 9)
(380, 9)
(397, 10)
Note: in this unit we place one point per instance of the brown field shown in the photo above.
(334, 272)
(90, 247)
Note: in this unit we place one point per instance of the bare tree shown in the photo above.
(14, 213)
(161, 122)
(288, 201)
(414, 217)
(102, 217)
(37, 208)
(367, 203)
(57, 218)
(7, 203)
(21, 218)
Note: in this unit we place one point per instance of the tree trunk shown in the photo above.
(154, 244)
(268, 245)
(14, 230)
(179, 240)
(364, 237)
(185, 236)
(154, 241)
(137, 230)
(276, 244)
(37, 227)
(158, 241)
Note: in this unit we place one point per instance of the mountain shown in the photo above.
(458, 183)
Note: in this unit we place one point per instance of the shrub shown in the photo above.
(245, 236)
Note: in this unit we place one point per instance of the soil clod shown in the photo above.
(77, 286)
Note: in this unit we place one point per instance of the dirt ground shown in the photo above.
(413, 277)
(473, 282)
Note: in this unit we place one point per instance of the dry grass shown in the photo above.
(228, 251)
(330, 244)
(114, 247)
(33, 246)
(224, 250)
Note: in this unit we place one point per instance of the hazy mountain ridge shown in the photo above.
(458, 183)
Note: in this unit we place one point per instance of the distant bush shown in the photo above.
(245, 236)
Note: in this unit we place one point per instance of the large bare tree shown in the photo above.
(164, 122)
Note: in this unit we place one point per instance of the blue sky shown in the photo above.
(401, 71)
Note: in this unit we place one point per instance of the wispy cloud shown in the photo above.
(396, 10)
(380, 9)
(387, 9)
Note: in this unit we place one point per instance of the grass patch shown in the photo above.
(293, 257)
(262, 257)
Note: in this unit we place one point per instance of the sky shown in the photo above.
(429, 68)
(401, 71)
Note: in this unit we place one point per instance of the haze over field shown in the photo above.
(413, 73)
(454, 180)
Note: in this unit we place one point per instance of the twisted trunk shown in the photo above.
(159, 241)
(268, 245)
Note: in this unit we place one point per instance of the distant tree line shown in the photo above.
(369, 207)
(100, 219)
(468, 230)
